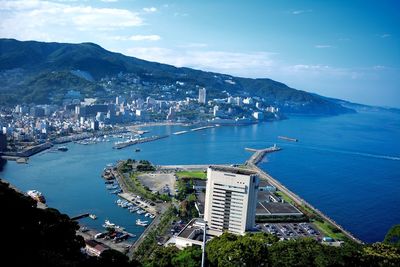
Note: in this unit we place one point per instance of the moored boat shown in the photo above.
(141, 223)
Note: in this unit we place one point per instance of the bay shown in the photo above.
(347, 166)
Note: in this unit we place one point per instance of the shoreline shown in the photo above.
(257, 156)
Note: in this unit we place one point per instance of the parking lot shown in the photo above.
(291, 230)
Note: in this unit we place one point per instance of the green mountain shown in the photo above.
(38, 72)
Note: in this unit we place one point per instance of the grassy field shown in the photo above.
(285, 197)
(327, 229)
(192, 174)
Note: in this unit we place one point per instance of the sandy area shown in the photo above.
(158, 181)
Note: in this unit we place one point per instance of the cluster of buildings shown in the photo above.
(230, 201)
(41, 123)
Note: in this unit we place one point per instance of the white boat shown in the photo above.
(140, 211)
(93, 216)
(108, 223)
(141, 223)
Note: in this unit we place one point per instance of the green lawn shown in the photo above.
(326, 229)
(192, 174)
(285, 197)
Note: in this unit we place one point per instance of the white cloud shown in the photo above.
(323, 71)
(178, 14)
(149, 9)
(152, 37)
(385, 35)
(323, 46)
(44, 20)
(298, 12)
(193, 45)
(139, 37)
(256, 64)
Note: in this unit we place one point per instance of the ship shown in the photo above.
(62, 148)
(36, 195)
(137, 150)
(288, 138)
(93, 216)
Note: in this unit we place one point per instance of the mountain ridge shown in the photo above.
(23, 62)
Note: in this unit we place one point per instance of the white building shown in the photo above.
(216, 111)
(258, 115)
(248, 101)
(231, 200)
(119, 100)
(238, 101)
(202, 95)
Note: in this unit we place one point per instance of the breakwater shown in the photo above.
(120, 145)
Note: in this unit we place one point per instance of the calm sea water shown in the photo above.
(347, 166)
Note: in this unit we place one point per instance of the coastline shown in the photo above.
(257, 156)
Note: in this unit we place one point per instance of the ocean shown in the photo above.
(347, 166)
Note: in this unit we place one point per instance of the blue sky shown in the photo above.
(343, 49)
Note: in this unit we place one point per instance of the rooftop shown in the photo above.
(232, 170)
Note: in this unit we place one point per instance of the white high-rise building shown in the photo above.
(231, 199)
(202, 95)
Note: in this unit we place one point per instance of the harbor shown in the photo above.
(65, 178)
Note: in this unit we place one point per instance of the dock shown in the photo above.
(138, 141)
(194, 130)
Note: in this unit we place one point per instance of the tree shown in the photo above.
(110, 258)
(36, 236)
(233, 250)
(189, 257)
(381, 254)
(393, 236)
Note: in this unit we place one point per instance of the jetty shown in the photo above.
(287, 138)
(80, 216)
(138, 141)
(252, 164)
(258, 154)
(194, 130)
